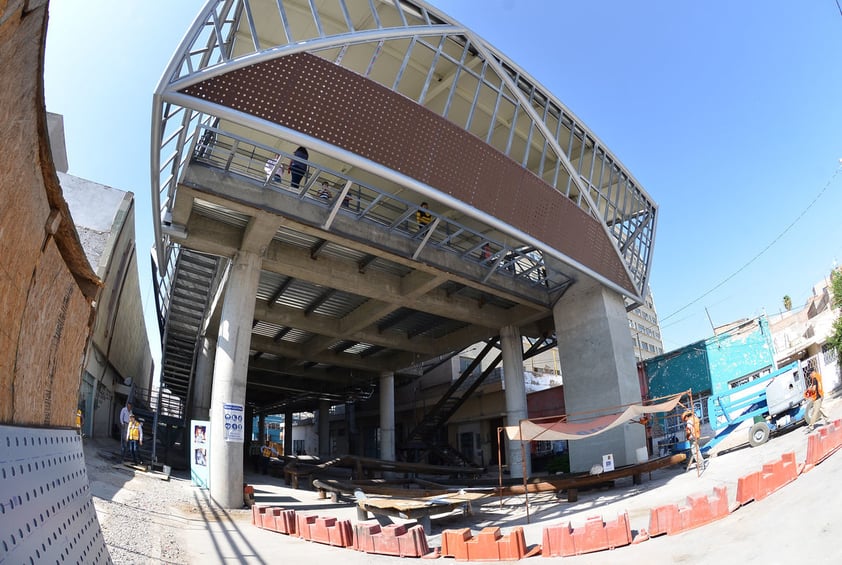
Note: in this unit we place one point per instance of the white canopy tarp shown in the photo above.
(552, 430)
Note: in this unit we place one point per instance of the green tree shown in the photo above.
(787, 302)
(835, 340)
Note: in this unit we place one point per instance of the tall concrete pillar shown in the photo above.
(387, 416)
(324, 429)
(512, 346)
(599, 371)
(203, 379)
(261, 429)
(288, 433)
(229, 379)
(351, 425)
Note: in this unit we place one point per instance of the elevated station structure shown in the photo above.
(277, 296)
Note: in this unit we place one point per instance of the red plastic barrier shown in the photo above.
(700, 510)
(303, 525)
(594, 535)
(760, 484)
(394, 539)
(488, 545)
(822, 443)
(285, 521)
(331, 531)
(453, 543)
(257, 514)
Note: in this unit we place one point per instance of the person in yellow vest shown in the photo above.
(134, 435)
(79, 420)
(266, 453)
(423, 216)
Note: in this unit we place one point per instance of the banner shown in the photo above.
(200, 453)
(235, 422)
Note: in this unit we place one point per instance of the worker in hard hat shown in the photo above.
(692, 433)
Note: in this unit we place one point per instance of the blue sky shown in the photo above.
(727, 113)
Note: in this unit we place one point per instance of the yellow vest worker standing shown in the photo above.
(134, 435)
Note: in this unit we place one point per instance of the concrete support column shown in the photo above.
(203, 379)
(512, 346)
(599, 370)
(387, 416)
(229, 378)
(288, 433)
(324, 429)
(261, 429)
(351, 424)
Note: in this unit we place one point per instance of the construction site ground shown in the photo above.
(801, 522)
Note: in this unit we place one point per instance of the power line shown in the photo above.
(765, 249)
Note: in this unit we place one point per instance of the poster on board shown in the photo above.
(200, 453)
(235, 422)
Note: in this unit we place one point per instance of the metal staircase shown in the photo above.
(189, 297)
(183, 299)
(427, 438)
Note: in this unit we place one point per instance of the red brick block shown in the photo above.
(453, 543)
(594, 535)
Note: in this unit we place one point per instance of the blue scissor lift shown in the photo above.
(775, 402)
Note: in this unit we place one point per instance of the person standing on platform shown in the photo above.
(297, 167)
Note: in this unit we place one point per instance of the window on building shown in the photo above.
(298, 446)
(828, 354)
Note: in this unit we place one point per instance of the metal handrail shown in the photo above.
(241, 156)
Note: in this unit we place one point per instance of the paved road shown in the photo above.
(800, 523)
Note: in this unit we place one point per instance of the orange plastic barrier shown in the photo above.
(594, 535)
(700, 510)
(488, 545)
(760, 484)
(822, 443)
(394, 539)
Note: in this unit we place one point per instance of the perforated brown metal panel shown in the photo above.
(46, 511)
(318, 98)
